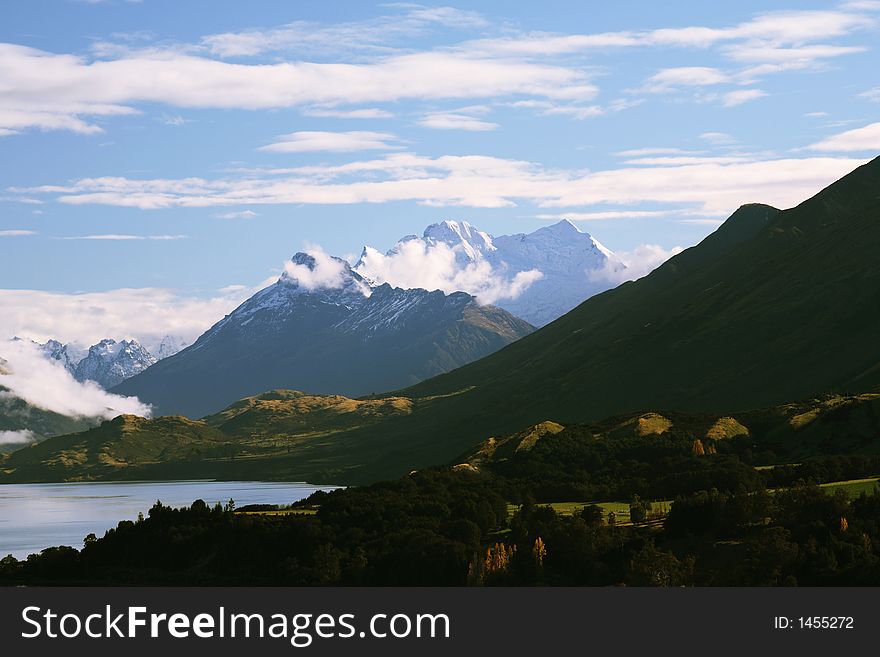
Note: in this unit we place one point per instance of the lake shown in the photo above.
(37, 516)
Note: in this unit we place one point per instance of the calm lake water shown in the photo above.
(37, 516)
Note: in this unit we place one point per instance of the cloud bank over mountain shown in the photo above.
(46, 384)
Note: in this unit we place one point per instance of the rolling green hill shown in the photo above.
(277, 434)
(260, 437)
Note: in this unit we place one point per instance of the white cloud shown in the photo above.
(147, 314)
(242, 214)
(362, 113)
(852, 141)
(175, 120)
(17, 437)
(816, 115)
(670, 79)
(640, 262)
(718, 138)
(579, 112)
(713, 186)
(415, 264)
(862, 5)
(311, 141)
(127, 238)
(372, 35)
(456, 121)
(327, 273)
(607, 214)
(682, 160)
(741, 96)
(17, 233)
(871, 94)
(46, 384)
(640, 152)
(781, 27)
(54, 91)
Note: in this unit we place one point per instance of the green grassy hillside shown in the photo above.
(291, 435)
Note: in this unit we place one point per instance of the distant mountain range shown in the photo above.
(109, 362)
(573, 266)
(325, 330)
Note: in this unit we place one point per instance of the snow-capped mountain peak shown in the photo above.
(311, 272)
(54, 350)
(461, 236)
(110, 362)
(169, 346)
(537, 276)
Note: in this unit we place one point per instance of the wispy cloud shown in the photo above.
(712, 185)
(241, 214)
(147, 314)
(361, 113)
(17, 233)
(718, 138)
(126, 238)
(742, 96)
(456, 121)
(607, 214)
(670, 79)
(310, 141)
(860, 140)
(37, 98)
(871, 94)
(371, 35)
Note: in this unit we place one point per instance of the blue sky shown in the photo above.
(186, 149)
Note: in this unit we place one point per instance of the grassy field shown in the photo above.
(853, 487)
(281, 512)
(620, 509)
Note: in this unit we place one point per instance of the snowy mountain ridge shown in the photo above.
(563, 266)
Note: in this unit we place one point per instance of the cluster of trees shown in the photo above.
(729, 525)
(575, 466)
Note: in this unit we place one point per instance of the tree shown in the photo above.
(637, 510)
(592, 515)
(539, 552)
(652, 567)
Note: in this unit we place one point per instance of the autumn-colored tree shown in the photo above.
(844, 524)
(539, 551)
(710, 447)
(698, 449)
(497, 558)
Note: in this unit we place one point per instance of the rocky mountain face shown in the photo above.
(109, 363)
(323, 328)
